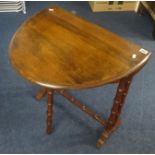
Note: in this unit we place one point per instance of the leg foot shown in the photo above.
(102, 140)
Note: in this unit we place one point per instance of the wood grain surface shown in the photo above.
(57, 49)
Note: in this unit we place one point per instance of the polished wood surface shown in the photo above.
(57, 49)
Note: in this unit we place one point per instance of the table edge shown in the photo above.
(84, 86)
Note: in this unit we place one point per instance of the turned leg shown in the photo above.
(113, 120)
(50, 93)
(42, 92)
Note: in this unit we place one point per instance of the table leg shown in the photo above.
(41, 93)
(50, 93)
(113, 120)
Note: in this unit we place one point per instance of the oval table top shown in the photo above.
(58, 49)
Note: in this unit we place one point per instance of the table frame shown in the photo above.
(110, 125)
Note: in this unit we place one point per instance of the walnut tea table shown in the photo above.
(60, 51)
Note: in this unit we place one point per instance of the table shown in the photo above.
(59, 51)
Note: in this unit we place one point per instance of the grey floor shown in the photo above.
(22, 118)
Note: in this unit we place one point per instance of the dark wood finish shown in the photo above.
(59, 51)
(50, 93)
(62, 50)
(85, 109)
(112, 122)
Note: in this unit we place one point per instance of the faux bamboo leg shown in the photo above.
(113, 120)
(41, 93)
(81, 106)
(50, 93)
